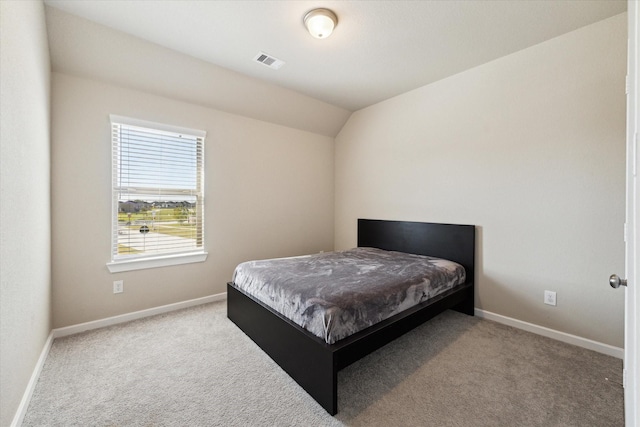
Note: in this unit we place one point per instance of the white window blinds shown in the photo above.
(158, 195)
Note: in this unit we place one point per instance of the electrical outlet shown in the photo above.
(550, 297)
(118, 286)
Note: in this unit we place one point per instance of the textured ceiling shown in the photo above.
(379, 48)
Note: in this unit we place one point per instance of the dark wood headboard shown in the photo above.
(449, 241)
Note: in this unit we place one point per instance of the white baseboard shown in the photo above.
(552, 333)
(31, 386)
(109, 321)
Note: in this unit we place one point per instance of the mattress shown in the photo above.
(336, 294)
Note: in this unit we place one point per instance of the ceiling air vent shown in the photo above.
(269, 61)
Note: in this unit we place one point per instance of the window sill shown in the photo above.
(155, 262)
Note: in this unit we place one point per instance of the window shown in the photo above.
(158, 196)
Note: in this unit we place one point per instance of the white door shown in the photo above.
(632, 234)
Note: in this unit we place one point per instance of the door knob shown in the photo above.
(616, 281)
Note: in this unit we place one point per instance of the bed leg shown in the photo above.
(317, 374)
(325, 390)
(466, 306)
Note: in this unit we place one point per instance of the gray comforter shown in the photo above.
(336, 294)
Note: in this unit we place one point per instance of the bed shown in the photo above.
(312, 361)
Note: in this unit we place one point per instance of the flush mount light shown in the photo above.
(320, 22)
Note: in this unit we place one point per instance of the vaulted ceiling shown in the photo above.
(378, 50)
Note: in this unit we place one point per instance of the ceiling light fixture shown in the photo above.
(320, 22)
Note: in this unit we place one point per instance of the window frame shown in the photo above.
(138, 262)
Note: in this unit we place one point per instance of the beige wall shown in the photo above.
(268, 192)
(25, 266)
(530, 148)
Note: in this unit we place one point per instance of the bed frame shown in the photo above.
(314, 364)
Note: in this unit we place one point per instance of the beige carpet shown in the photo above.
(195, 368)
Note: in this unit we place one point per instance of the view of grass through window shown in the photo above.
(155, 226)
